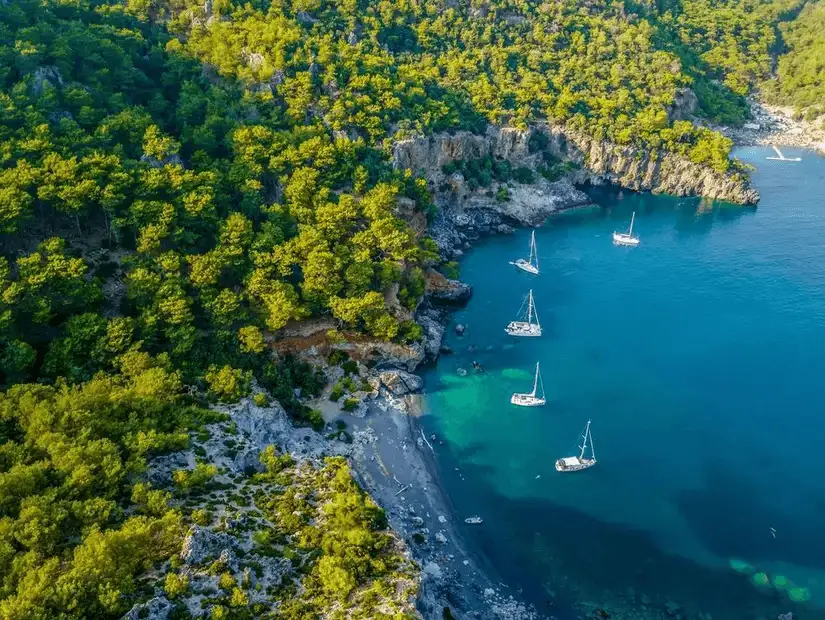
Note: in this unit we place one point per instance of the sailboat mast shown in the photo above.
(592, 448)
(584, 443)
(533, 254)
(530, 307)
(535, 380)
(632, 219)
(541, 381)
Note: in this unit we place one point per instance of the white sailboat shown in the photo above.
(474, 520)
(531, 265)
(626, 238)
(531, 399)
(577, 463)
(781, 157)
(526, 325)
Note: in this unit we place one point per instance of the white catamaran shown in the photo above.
(531, 265)
(531, 399)
(577, 463)
(781, 157)
(626, 238)
(528, 324)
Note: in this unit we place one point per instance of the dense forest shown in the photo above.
(181, 179)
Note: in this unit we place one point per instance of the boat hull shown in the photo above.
(522, 329)
(525, 266)
(527, 400)
(624, 239)
(573, 463)
(784, 158)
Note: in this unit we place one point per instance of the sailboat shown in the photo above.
(626, 238)
(526, 327)
(531, 400)
(531, 265)
(577, 463)
(781, 157)
(474, 520)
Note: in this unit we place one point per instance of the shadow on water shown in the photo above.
(554, 555)
(732, 517)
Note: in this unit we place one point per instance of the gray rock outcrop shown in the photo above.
(399, 382)
(157, 608)
(202, 544)
(433, 331)
(600, 162)
(44, 78)
(640, 170)
(441, 289)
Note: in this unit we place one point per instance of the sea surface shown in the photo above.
(699, 356)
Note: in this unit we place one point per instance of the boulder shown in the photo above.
(441, 289)
(433, 334)
(460, 329)
(161, 468)
(157, 608)
(45, 78)
(202, 544)
(400, 382)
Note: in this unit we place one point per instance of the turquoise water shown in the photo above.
(699, 357)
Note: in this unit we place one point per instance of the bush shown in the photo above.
(350, 404)
(523, 175)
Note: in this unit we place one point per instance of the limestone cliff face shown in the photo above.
(599, 161)
(427, 155)
(637, 169)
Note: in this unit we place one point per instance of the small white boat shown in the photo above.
(532, 264)
(577, 463)
(781, 157)
(526, 325)
(626, 238)
(531, 399)
(474, 520)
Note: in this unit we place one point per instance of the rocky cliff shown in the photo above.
(599, 162)
(640, 170)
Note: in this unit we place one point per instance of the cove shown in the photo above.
(699, 358)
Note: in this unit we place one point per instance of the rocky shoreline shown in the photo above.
(775, 125)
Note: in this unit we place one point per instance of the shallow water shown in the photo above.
(698, 356)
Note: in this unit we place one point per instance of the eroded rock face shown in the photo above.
(600, 161)
(442, 289)
(427, 155)
(157, 608)
(44, 78)
(399, 382)
(202, 544)
(430, 322)
(637, 169)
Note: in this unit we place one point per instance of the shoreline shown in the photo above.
(400, 472)
(774, 125)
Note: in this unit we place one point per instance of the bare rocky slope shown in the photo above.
(596, 161)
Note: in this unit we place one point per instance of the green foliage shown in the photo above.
(228, 384)
(176, 585)
(233, 174)
(338, 536)
(800, 79)
(197, 478)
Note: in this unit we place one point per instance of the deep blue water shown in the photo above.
(699, 357)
